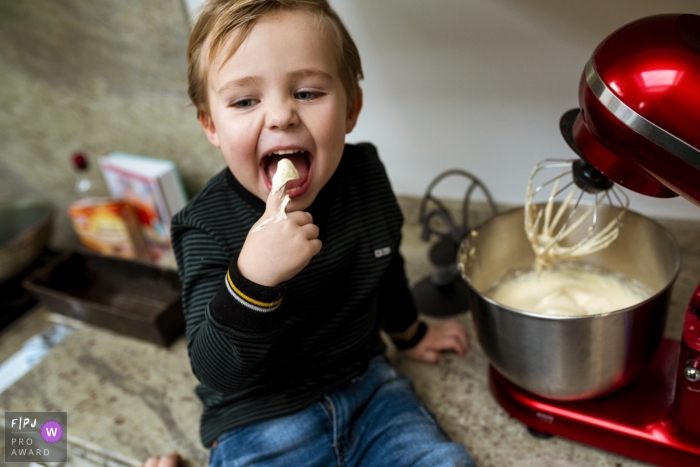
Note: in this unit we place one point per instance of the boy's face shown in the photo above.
(280, 92)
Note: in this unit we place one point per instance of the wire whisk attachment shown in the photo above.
(580, 214)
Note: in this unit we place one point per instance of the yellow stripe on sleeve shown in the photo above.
(408, 334)
(247, 298)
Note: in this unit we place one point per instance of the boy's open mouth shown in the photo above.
(302, 162)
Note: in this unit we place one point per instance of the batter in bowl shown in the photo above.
(568, 289)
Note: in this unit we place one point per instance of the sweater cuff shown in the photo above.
(245, 305)
(410, 337)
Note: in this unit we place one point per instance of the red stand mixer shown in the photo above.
(639, 126)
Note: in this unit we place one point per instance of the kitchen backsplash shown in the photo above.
(99, 77)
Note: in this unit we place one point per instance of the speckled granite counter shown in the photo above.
(127, 399)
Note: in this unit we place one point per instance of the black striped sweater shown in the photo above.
(263, 352)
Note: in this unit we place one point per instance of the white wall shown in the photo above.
(480, 85)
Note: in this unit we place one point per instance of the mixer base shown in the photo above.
(634, 421)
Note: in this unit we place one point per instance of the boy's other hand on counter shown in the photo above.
(281, 249)
(171, 460)
(440, 337)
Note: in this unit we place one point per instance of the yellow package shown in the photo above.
(109, 227)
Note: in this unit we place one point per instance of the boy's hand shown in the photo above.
(171, 460)
(440, 337)
(281, 249)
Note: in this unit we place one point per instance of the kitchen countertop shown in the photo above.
(128, 399)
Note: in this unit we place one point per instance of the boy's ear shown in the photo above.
(351, 118)
(208, 126)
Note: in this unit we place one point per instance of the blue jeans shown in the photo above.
(374, 420)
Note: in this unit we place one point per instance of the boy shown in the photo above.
(283, 322)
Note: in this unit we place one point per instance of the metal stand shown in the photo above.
(444, 292)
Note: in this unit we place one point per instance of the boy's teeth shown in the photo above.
(282, 152)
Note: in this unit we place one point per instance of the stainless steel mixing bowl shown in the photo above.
(25, 227)
(577, 357)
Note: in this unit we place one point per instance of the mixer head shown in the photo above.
(639, 98)
(637, 126)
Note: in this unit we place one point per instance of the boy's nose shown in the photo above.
(281, 115)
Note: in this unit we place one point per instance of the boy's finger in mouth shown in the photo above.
(303, 163)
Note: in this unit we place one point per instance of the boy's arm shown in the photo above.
(401, 321)
(232, 323)
(232, 309)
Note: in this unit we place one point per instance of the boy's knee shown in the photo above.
(447, 454)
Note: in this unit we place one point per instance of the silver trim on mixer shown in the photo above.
(636, 122)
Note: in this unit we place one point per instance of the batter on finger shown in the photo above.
(285, 172)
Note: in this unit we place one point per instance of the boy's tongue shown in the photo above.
(301, 163)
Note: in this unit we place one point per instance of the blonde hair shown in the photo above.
(220, 18)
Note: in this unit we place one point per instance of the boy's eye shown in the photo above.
(306, 95)
(244, 103)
